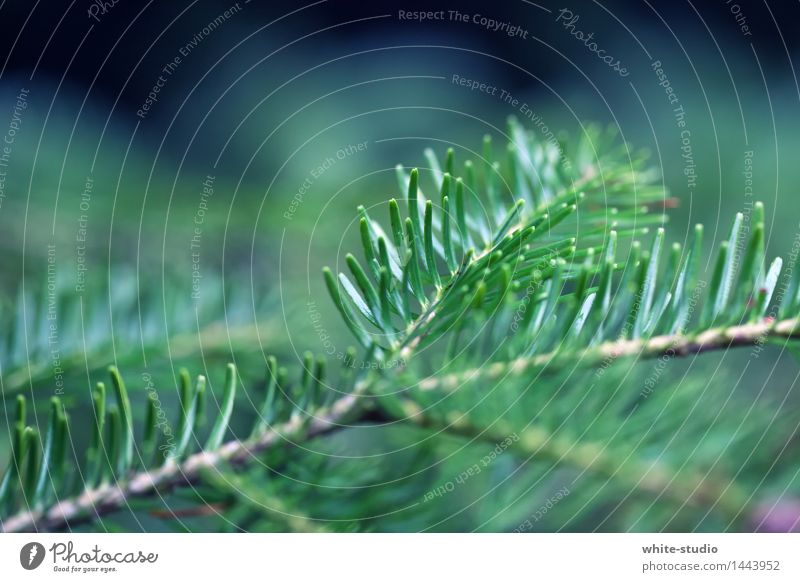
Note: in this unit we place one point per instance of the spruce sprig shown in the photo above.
(520, 273)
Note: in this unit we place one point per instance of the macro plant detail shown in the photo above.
(519, 287)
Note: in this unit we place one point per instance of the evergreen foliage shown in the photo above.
(504, 303)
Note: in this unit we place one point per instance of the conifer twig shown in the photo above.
(109, 498)
(752, 334)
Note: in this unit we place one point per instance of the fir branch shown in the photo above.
(677, 345)
(97, 502)
(504, 285)
(428, 276)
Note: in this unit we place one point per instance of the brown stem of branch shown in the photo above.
(109, 498)
(753, 334)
